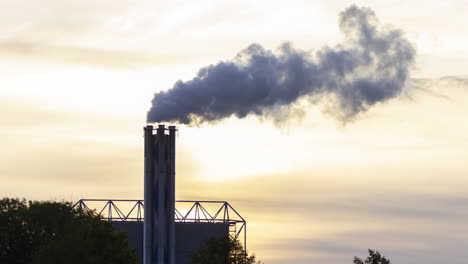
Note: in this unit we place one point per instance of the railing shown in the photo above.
(185, 211)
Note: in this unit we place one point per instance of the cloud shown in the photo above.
(75, 54)
(18, 114)
(110, 34)
(369, 67)
(319, 217)
(49, 151)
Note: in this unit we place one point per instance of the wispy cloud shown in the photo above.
(103, 57)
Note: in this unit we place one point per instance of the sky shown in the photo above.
(78, 78)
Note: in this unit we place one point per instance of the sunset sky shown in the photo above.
(77, 79)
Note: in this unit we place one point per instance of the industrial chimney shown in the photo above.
(159, 225)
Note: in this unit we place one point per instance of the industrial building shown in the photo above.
(162, 230)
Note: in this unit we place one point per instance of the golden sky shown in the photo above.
(79, 76)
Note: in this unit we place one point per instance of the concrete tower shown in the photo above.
(159, 225)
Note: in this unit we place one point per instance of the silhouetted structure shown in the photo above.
(159, 225)
(164, 235)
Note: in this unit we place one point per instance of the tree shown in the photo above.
(373, 258)
(55, 232)
(223, 250)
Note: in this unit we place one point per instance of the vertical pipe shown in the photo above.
(159, 224)
(148, 183)
(171, 187)
(161, 200)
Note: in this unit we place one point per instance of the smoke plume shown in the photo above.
(370, 66)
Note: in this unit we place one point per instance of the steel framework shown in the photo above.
(196, 211)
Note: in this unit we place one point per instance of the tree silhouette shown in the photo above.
(373, 258)
(53, 232)
(222, 250)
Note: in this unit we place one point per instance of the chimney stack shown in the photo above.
(159, 224)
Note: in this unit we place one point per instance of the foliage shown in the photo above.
(373, 258)
(54, 232)
(223, 250)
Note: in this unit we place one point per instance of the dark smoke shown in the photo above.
(369, 67)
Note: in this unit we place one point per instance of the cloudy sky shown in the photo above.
(77, 78)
